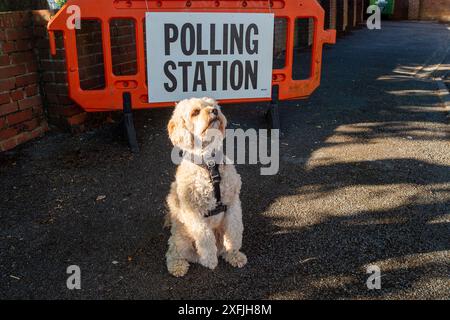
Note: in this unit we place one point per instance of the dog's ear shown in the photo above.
(171, 128)
(223, 121)
(223, 125)
(178, 133)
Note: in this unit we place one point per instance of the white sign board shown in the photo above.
(220, 55)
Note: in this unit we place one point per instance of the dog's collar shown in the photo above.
(213, 168)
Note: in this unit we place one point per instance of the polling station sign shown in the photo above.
(221, 55)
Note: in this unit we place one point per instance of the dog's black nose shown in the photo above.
(215, 111)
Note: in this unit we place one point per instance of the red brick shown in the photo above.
(40, 31)
(4, 98)
(52, 97)
(61, 77)
(26, 80)
(19, 117)
(31, 90)
(59, 66)
(12, 71)
(2, 123)
(13, 19)
(65, 111)
(4, 60)
(8, 47)
(38, 132)
(32, 66)
(47, 76)
(77, 119)
(17, 34)
(42, 44)
(8, 84)
(8, 108)
(23, 45)
(30, 102)
(8, 144)
(22, 57)
(38, 111)
(23, 137)
(57, 88)
(17, 95)
(31, 125)
(64, 100)
(8, 133)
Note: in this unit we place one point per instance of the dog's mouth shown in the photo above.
(214, 123)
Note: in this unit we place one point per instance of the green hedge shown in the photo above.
(60, 2)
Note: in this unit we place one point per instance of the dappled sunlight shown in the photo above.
(415, 72)
(415, 260)
(316, 284)
(366, 183)
(445, 218)
(412, 92)
(420, 109)
(397, 78)
(383, 141)
(407, 70)
(442, 92)
(341, 201)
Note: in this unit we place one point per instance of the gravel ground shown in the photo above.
(364, 180)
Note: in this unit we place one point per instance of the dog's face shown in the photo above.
(195, 119)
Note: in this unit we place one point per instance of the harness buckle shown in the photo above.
(210, 164)
(219, 209)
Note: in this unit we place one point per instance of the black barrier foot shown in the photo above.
(128, 123)
(273, 116)
(273, 113)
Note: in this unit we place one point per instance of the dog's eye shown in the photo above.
(195, 113)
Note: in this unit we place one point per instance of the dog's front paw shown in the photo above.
(178, 267)
(209, 260)
(235, 258)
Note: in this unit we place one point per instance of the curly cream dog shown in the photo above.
(194, 237)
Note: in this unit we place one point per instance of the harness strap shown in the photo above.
(214, 173)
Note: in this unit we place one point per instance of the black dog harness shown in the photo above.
(214, 174)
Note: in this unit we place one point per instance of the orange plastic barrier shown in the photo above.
(112, 96)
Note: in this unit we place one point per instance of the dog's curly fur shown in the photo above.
(194, 237)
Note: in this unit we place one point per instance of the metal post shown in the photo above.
(129, 123)
(273, 114)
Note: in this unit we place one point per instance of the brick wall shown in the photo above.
(401, 10)
(32, 80)
(435, 10)
(330, 13)
(21, 109)
(414, 9)
(123, 47)
(341, 16)
(62, 111)
(351, 15)
(427, 10)
(360, 12)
